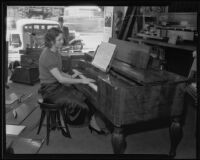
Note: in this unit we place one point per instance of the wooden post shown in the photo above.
(6, 66)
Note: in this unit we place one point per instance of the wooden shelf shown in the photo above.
(164, 44)
(180, 28)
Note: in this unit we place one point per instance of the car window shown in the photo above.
(15, 40)
(36, 26)
(28, 28)
(42, 27)
(50, 26)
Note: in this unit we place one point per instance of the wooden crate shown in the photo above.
(25, 75)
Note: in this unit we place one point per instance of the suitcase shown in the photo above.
(25, 75)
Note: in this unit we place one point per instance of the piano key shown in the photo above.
(82, 76)
(76, 71)
(92, 85)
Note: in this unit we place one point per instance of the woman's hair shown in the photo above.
(51, 35)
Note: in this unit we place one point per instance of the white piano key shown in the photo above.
(92, 85)
(76, 71)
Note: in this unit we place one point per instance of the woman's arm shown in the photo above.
(70, 76)
(66, 75)
(63, 79)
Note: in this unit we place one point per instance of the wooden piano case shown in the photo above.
(128, 104)
(134, 92)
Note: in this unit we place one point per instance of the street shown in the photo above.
(91, 40)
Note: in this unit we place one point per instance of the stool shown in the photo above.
(53, 112)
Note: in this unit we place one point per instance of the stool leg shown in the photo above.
(41, 121)
(65, 133)
(48, 127)
(53, 119)
(58, 118)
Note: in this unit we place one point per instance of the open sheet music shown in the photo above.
(104, 55)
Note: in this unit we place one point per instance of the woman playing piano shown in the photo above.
(57, 86)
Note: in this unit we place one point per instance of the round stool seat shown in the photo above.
(49, 106)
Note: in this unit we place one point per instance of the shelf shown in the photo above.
(180, 28)
(164, 44)
(148, 36)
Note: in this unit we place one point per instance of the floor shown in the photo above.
(83, 142)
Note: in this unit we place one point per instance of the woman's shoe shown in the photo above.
(101, 132)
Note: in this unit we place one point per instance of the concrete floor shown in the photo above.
(83, 142)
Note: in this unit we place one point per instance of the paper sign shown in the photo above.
(12, 98)
(14, 129)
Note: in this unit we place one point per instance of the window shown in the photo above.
(28, 28)
(43, 27)
(15, 40)
(36, 27)
(87, 22)
(50, 26)
(84, 22)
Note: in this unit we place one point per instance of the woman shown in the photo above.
(56, 86)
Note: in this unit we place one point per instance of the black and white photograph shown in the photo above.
(93, 79)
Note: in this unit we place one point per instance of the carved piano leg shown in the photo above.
(118, 141)
(176, 134)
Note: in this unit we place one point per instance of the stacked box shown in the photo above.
(30, 60)
(28, 72)
(25, 75)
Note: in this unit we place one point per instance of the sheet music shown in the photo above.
(104, 55)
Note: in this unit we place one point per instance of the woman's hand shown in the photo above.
(87, 81)
(76, 74)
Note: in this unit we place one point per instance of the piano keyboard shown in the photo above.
(92, 85)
